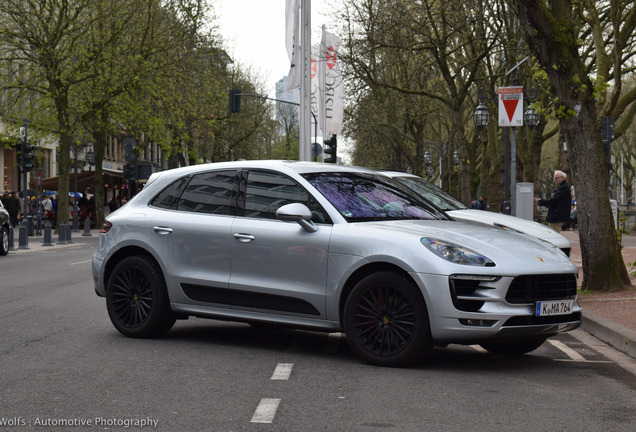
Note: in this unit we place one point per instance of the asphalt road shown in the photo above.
(63, 367)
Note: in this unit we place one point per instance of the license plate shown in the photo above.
(554, 307)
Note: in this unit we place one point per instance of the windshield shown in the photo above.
(366, 197)
(432, 193)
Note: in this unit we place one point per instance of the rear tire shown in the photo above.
(137, 299)
(386, 321)
(514, 348)
(4, 240)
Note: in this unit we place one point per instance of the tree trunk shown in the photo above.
(550, 31)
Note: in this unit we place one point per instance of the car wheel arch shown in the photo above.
(361, 273)
(126, 252)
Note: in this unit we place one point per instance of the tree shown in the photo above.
(551, 30)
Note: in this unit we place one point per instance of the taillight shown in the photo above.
(106, 227)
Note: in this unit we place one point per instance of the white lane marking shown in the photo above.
(478, 348)
(333, 342)
(82, 262)
(265, 411)
(623, 360)
(567, 350)
(282, 371)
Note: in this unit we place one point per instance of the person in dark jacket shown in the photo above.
(559, 203)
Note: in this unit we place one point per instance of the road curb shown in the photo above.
(612, 333)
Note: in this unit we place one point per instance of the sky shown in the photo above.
(254, 34)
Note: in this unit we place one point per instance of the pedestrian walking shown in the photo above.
(13, 207)
(559, 203)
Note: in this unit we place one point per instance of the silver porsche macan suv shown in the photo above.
(330, 248)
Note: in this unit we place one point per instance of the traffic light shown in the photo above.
(331, 148)
(235, 101)
(26, 156)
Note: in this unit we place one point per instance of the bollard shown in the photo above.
(11, 238)
(69, 240)
(31, 225)
(46, 241)
(87, 227)
(23, 238)
(61, 234)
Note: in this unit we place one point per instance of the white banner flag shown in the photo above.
(292, 42)
(315, 87)
(332, 91)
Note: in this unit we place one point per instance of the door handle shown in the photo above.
(162, 230)
(244, 238)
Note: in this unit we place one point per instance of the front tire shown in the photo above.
(513, 348)
(386, 321)
(137, 299)
(4, 240)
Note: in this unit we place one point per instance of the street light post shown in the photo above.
(441, 148)
(90, 159)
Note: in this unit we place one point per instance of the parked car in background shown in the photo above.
(457, 210)
(330, 248)
(4, 230)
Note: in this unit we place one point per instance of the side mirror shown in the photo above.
(299, 213)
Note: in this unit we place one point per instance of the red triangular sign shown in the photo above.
(510, 105)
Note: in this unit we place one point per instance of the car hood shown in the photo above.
(518, 224)
(515, 252)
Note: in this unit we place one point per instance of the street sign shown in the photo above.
(510, 106)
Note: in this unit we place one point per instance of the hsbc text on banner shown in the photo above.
(332, 90)
(510, 106)
(315, 86)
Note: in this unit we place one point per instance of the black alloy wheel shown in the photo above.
(137, 300)
(386, 321)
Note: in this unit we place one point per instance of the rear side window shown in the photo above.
(211, 192)
(169, 197)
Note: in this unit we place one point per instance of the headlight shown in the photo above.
(456, 254)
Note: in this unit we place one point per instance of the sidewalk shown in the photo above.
(611, 317)
(36, 242)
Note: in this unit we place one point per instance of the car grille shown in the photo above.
(531, 288)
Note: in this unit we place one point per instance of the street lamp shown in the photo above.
(90, 158)
(441, 148)
(481, 116)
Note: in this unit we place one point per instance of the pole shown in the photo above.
(75, 209)
(513, 170)
(507, 165)
(25, 186)
(441, 166)
(305, 84)
(322, 60)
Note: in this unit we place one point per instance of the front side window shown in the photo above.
(364, 197)
(267, 191)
